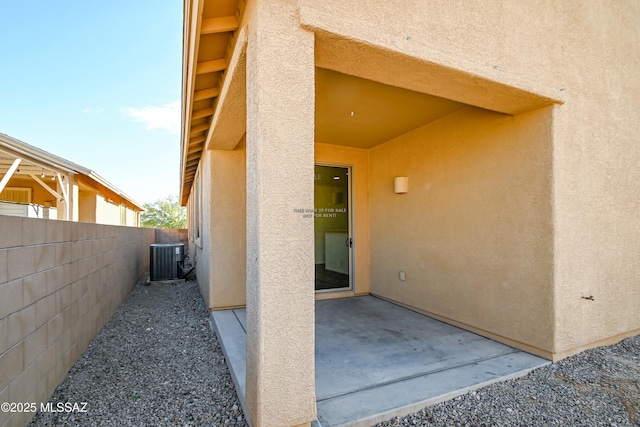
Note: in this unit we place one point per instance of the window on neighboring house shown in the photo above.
(16, 195)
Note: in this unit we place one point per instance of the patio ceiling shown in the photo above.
(15, 165)
(24, 168)
(363, 113)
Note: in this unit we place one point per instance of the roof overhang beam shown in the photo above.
(9, 174)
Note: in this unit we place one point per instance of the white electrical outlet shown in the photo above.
(403, 276)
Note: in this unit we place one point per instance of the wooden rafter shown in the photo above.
(9, 174)
(205, 112)
(195, 149)
(198, 140)
(193, 155)
(211, 66)
(219, 25)
(65, 194)
(199, 95)
(46, 187)
(199, 128)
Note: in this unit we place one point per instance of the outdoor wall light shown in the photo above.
(400, 184)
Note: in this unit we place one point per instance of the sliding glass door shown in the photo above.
(333, 239)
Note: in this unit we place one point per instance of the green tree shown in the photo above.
(164, 213)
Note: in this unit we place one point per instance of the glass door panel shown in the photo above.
(332, 228)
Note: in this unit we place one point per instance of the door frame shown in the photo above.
(350, 216)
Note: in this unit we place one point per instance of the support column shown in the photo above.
(68, 209)
(74, 198)
(63, 203)
(280, 384)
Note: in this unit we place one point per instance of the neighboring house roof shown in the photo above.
(39, 160)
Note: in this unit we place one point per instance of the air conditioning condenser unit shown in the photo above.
(165, 261)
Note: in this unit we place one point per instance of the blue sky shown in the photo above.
(97, 83)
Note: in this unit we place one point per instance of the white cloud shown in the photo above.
(166, 116)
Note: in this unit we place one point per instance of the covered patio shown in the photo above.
(375, 360)
(273, 91)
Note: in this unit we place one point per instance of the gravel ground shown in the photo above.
(599, 387)
(157, 363)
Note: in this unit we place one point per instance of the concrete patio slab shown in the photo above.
(376, 360)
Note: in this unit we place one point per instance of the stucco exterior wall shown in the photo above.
(200, 248)
(228, 238)
(131, 218)
(107, 213)
(597, 178)
(60, 282)
(87, 206)
(220, 253)
(474, 234)
(585, 53)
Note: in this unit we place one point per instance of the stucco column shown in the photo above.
(280, 253)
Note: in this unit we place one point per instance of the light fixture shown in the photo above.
(42, 176)
(401, 184)
(336, 177)
(53, 177)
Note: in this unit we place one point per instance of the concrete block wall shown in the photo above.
(173, 235)
(60, 282)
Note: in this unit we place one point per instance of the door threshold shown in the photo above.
(348, 293)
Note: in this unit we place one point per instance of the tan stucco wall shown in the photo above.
(131, 218)
(87, 206)
(60, 282)
(200, 248)
(597, 177)
(220, 254)
(228, 228)
(107, 213)
(583, 53)
(358, 159)
(474, 233)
